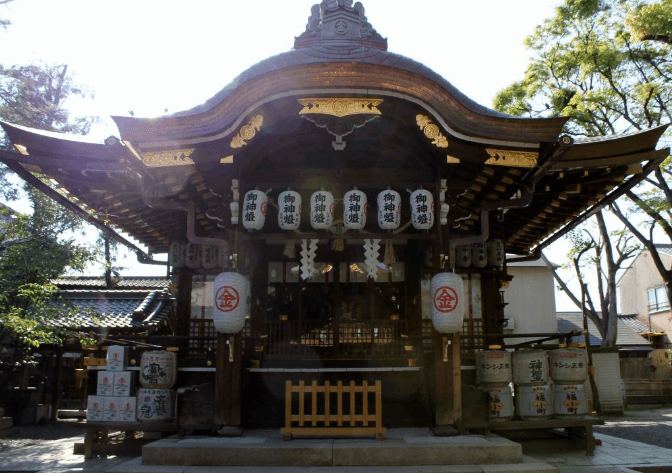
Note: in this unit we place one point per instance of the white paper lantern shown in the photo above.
(463, 256)
(230, 292)
(255, 204)
(176, 254)
(479, 255)
(495, 250)
(192, 255)
(209, 256)
(289, 210)
(389, 210)
(321, 210)
(447, 290)
(422, 209)
(354, 209)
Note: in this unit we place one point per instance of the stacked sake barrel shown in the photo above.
(493, 372)
(156, 399)
(531, 381)
(569, 371)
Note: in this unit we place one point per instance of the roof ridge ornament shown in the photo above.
(338, 23)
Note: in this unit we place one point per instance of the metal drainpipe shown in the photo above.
(522, 201)
(164, 204)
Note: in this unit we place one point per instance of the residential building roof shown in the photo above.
(126, 282)
(627, 337)
(117, 309)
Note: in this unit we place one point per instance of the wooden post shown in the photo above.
(448, 380)
(228, 383)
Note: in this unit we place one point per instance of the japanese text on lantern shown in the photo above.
(250, 206)
(354, 207)
(288, 208)
(445, 299)
(227, 298)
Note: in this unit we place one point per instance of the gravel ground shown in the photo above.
(24, 436)
(651, 425)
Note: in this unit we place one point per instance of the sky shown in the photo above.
(151, 56)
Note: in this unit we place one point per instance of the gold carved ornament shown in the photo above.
(431, 131)
(179, 157)
(247, 132)
(505, 157)
(340, 107)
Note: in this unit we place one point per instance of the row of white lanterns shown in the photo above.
(322, 205)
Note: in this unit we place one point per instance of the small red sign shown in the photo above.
(264, 206)
(445, 299)
(227, 298)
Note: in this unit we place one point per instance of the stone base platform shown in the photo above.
(401, 451)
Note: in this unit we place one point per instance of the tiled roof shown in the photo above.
(626, 337)
(126, 282)
(117, 308)
(639, 325)
(664, 248)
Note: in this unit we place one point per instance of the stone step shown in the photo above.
(528, 465)
(400, 447)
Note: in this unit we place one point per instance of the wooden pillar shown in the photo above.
(228, 380)
(183, 309)
(493, 310)
(447, 379)
(58, 390)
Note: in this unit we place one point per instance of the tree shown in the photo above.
(4, 23)
(605, 253)
(37, 248)
(606, 64)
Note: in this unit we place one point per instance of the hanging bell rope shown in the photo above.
(390, 256)
(338, 244)
(290, 250)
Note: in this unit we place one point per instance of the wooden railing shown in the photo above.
(321, 410)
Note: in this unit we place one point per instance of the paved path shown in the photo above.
(34, 449)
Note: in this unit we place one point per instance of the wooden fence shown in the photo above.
(322, 407)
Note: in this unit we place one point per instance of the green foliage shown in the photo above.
(590, 66)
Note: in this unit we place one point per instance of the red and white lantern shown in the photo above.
(479, 255)
(176, 254)
(389, 210)
(321, 210)
(255, 205)
(192, 255)
(422, 209)
(229, 308)
(495, 249)
(354, 209)
(289, 210)
(447, 290)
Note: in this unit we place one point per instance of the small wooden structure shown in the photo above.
(337, 112)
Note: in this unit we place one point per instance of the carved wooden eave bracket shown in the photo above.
(340, 116)
(505, 157)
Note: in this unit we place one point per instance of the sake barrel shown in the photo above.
(534, 402)
(158, 369)
(569, 365)
(230, 293)
(530, 367)
(493, 367)
(448, 303)
(569, 400)
(500, 401)
(155, 405)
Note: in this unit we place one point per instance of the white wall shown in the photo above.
(531, 300)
